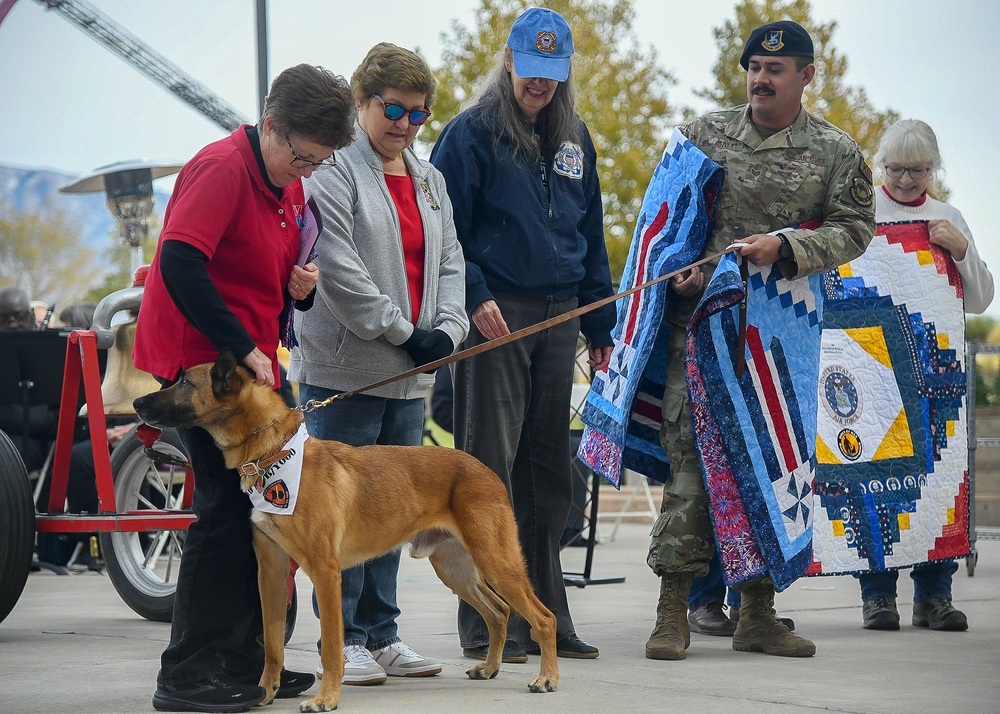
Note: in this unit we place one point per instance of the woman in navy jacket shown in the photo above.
(522, 177)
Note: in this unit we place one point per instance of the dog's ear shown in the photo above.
(223, 371)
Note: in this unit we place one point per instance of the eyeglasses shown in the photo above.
(395, 112)
(916, 172)
(300, 163)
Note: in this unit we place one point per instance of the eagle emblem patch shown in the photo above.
(568, 161)
(546, 41)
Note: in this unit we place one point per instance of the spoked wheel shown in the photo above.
(143, 567)
(17, 526)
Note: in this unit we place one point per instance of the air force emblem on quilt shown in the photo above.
(772, 41)
(569, 161)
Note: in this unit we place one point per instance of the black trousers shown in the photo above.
(217, 625)
(512, 412)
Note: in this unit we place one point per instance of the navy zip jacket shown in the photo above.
(522, 233)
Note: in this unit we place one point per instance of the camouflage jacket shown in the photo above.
(810, 171)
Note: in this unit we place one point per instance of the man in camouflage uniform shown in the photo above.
(784, 167)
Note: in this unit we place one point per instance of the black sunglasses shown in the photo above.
(395, 112)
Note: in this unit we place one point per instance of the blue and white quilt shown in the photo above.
(622, 412)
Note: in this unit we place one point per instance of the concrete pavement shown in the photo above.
(71, 645)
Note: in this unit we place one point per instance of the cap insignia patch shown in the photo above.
(772, 40)
(546, 41)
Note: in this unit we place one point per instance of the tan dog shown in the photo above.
(355, 504)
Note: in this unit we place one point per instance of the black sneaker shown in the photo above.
(513, 653)
(938, 613)
(880, 613)
(292, 683)
(215, 694)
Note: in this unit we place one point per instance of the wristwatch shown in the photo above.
(785, 249)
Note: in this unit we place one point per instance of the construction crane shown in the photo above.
(151, 63)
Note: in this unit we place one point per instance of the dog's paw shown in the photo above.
(316, 704)
(541, 684)
(481, 671)
(269, 697)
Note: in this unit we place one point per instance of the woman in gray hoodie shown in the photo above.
(391, 296)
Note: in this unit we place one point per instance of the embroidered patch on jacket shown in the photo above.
(861, 192)
(278, 488)
(772, 40)
(546, 41)
(569, 161)
(426, 189)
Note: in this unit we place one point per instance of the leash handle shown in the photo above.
(741, 340)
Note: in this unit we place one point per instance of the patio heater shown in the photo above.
(129, 188)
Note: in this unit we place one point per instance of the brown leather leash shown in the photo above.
(537, 327)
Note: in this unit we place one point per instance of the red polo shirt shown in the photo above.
(222, 206)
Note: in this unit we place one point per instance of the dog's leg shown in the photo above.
(326, 579)
(501, 563)
(454, 565)
(272, 579)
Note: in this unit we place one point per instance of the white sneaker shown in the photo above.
(359, 667)
(398, 660)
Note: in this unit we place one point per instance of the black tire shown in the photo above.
(17, 526)
(143, 566)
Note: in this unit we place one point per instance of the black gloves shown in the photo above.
(414, 340)
(427, 347)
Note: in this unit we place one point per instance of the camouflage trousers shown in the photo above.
(683, 540)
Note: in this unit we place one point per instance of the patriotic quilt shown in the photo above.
(892, 474)
(622, 411)
(754, 431)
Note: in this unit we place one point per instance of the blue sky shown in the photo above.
(68, 104)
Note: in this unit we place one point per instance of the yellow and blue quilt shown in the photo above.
(892, 475)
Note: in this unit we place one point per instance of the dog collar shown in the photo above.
(257, 470)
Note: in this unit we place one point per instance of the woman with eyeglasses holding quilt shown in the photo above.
(908, 159)
(391, 296)
(225, 276)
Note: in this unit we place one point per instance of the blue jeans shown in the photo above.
(368, 590)
(929, 580)
(712, 588)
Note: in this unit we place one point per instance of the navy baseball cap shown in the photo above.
(781, 39)
(541, 43)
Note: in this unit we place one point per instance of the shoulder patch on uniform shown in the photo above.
(568, 161)
(425, 188)
(865, 169)
(861, 191)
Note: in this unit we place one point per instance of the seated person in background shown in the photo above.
(16, 316)
(15, 311)
(78, 316)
